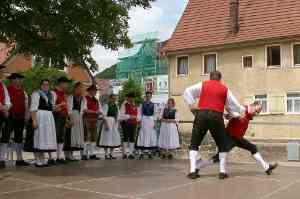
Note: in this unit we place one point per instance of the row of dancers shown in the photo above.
(58, 125)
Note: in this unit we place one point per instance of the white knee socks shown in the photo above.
(222, 157)
(60, 148)
(125, 148)
(131, 148)
(193, 160)
(259, 159)
(19, 151)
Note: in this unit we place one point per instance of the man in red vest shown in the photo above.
(128, 115)
(18, 115)
(4, 113)
(61, 116)
(214, 97)
(92, 113)
(236, 130)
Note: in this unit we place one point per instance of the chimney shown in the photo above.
(234, 23)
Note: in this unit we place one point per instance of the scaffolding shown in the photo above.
(144, 59)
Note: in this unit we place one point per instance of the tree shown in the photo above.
(131, 86)
(109, 73)
(63, 30)
(34, 76)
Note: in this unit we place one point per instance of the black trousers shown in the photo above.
(129, 132)
(3, 121)
(243, 144)
(212, 121)
(60, 126)
(16, 125)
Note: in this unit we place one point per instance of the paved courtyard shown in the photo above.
(144, 179)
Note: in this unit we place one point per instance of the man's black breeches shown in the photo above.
(206, 120)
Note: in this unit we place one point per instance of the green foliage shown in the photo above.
(60, 29)
(131, 86)
(109, 73)
(34, 76)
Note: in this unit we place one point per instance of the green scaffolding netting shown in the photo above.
(142, 60)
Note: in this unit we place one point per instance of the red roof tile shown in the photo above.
(78, 74)
(205, 23)
(19, 63)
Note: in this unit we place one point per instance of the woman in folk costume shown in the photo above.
(42, 106)
(91, 115)
(110, 135)
(5, 105)
(169, 135)
(75, 130)
(128, 116)
(147, 139)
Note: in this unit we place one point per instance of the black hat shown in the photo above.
(92, 87)
(148, 93)
(2, 66)
(63, 80)
(130, 95)
(15, 76)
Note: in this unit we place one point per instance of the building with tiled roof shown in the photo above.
(20, 63)
(255, 44)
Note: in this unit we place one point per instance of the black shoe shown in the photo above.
(71, 160)
(94, 157)
(112, 157)
(51, 162)
(271, 168)
(39, 165)
(215, 158)
(223, 176)
(22, 163)
(61, 161)
(84, 157)
(163, 156)
(2, 164)
(131, 157)
(193, 175)
(150, 156)
(124, 157)
(170, 157)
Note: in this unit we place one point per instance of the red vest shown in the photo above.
(131, 110)
(17, 98)
(61, 98)
(213, 96)
(92, 103)
(237, 127)
(2, 94)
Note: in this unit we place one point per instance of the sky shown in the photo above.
(163, 17)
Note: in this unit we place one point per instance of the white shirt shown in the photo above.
(7, 101)
(232, 106)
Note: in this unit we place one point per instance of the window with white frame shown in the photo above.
(182, 65)
(274, 56)
(262, 99)
(210, 63)
(293, 103)
(247, 61)
(296, 53)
